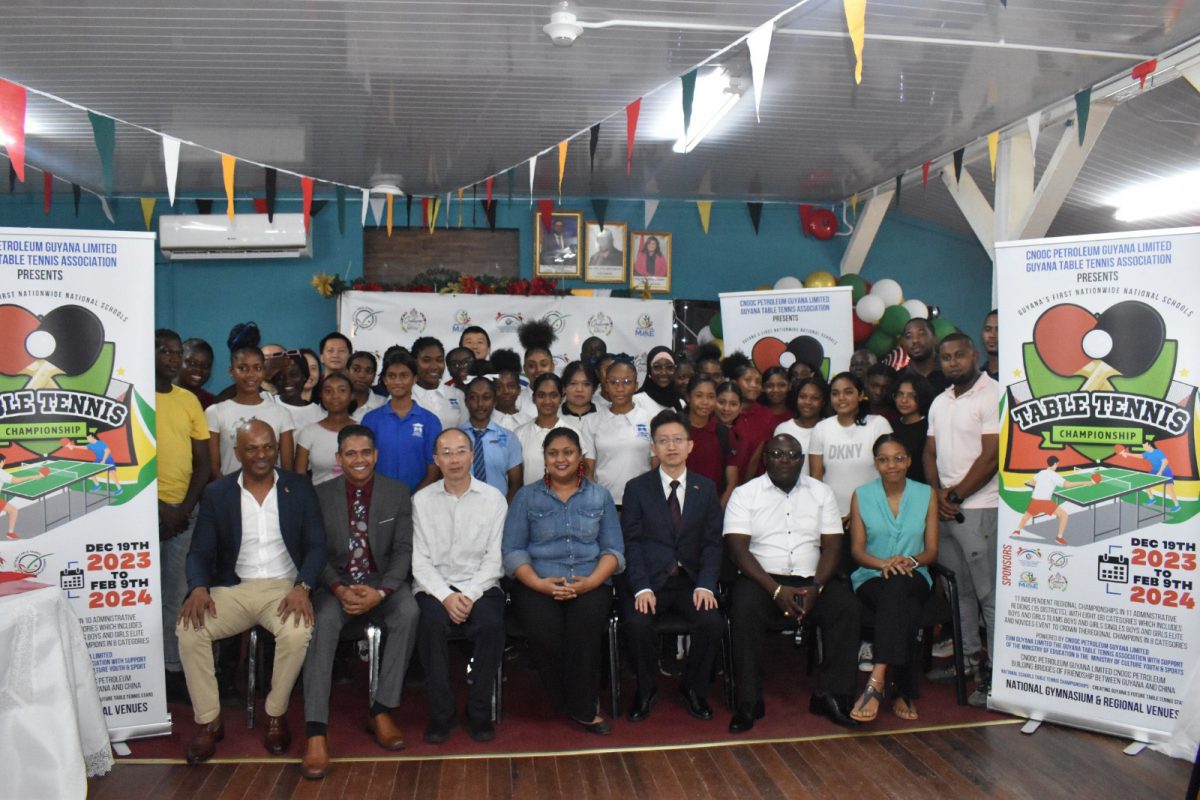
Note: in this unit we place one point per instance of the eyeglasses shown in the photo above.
(621, 381)
(883, 461)
(666, 441)
(793, 455)
(459, 453)
(662, 366)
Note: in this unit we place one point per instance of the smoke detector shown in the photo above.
(564, 27)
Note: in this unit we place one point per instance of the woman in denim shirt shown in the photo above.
(562, 543)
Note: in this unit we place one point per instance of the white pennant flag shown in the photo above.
(759, 43)
(532, 169)
(1034, 121)
(366, 202)
(107, 211)
(377, 209)
(448, 210)
(651, 207)
(171, 160)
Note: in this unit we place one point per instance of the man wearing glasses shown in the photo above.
(784, 533)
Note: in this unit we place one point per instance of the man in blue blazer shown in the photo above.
(257, 551)
(671, 519)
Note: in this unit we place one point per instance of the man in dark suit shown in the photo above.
(368, 526)
(257, 550)
(671, 519)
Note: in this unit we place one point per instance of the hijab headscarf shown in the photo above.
(666, 397)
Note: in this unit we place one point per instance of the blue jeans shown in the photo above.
(173, 557)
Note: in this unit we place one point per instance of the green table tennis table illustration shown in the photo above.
(62, 477)
(1114, 487)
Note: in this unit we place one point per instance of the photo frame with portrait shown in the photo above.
(605, 252)
(650, 260)
(557, 251)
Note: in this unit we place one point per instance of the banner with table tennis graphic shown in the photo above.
(78, 494)
(1097, 543)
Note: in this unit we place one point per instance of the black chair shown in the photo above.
(803, 635)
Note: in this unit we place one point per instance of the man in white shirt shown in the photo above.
(961, 458)
(784, 533)
(458, 523)
(257, 550)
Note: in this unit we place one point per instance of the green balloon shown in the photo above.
(855, 282)
(893, 320)
(881, 343)
(714, 325)
(943, 328)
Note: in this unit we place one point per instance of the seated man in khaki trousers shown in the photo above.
(258, 548)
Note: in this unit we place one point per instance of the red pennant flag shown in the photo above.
(47, 190)
(260, 205)
(805, 215)
(547, 209)
(12, 124)
(489, 189)
(925, 174)
(631, 118)
(424, 212)
(306, 188)
(1144, 70)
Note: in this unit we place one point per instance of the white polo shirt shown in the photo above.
(447, 403)
(620, 443)
(263, 553)
(957, 425)
(785, 528)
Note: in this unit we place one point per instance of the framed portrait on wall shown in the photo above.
(557, 251)
(605, 252)
(650, 254)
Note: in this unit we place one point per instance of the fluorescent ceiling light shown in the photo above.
(1161, 198)
(716, 95)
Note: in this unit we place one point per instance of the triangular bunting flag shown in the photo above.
(260, 205)
(1034, 123)
(377, 204)
(460, 195)
(424, 212)
(47, 191)
(315, 207)
(958, 159)
(12, 126)
(390, 200)
(437, 207)
(899, 182)
(925, 174)
(408, 211)
(270, 179)
(108, 214)
(562, 165)
(228, 164)
(76, 193)
(755, 210)
(856, 24)
(204, 205)
(854, 205)
(1083, 107)
(532, 171)
(546, 209)
(600, 206)
(993, 142)
(171, 165)
(341, 206)
(104, 129)
(366, 204)
(651, 206)
(631, 119)
(474, 198)
(593, 141)
(759, 42)
(689, 94)
(1144, 70)
(447, 210)
(306, 190)
(489, 189)
(489, 211)
(705, 209)
(148, 210)
(805, 212)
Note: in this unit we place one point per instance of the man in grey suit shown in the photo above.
(368, 524)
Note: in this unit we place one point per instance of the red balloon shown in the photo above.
(822, 223)
(862, 330)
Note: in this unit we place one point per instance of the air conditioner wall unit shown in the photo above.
(215, 236)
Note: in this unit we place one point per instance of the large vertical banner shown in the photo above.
(1099, 354)
(77, 489)
(777, 328)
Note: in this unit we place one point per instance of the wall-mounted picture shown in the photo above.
(651, 257)
(558, 253)
(606, 252)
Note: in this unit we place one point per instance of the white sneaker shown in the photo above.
(944, 648)
(979, 697)
(866, 657)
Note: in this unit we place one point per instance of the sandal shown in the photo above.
(870, 692)
(904, 708)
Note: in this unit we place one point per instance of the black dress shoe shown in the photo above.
(828, 706)
(745, 717)
(643, 706)
(696, 705)
(481, 730)
(438, 731)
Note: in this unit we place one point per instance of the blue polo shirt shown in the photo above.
(501, 452)
(405, 444)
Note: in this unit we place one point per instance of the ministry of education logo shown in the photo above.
(645, 326)
(462, 319)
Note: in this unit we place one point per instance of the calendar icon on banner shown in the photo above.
(1113, 569)
(70, 579)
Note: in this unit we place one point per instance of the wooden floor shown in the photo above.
(995, 761)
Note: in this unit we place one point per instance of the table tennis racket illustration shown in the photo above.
(65, 341)
(1126, 339)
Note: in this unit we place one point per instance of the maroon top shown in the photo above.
(708, 456)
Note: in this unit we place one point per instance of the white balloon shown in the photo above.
(789, 282)
(888, 291)
(705, 335)
(870, 308)
(916, 308)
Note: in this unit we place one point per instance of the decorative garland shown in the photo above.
(439, 281)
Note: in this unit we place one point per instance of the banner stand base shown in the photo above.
(1031, 726)
(1135, 747)
(121, 749)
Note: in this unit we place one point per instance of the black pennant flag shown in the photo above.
(592, 145)
(755, 210)
(270, 175)
(76, 192)
(408, 210)
(341, 201)
(489, 211)
(600, 206)
(958, 158)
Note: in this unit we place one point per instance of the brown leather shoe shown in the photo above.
(204, 744)
(316, 758)
(278, 738)
(387, 734)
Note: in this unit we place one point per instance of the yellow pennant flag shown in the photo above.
(148, 210)
(460, 193)
(993, 144)
(562, 165)
(227, 165)
(705, 209)
(437, 205)
(856, 24)
(390, 200)
(854, 204)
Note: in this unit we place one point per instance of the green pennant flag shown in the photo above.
(1083, 107)
(105, 131)
(600, 206)
(689, 93)
(76, 192)
(755, 210)
(341, 201)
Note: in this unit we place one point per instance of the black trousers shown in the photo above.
(484, 629)
(704, 627)
(897, 602)
(753, 612)
(565, 637)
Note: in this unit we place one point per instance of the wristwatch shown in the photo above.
(953, 497)
(304, 586)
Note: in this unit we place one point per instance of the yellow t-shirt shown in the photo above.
(179, 420)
